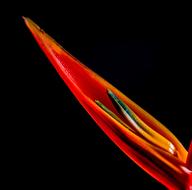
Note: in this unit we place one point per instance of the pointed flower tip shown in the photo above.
(33, 27)
(43, 39)
(24, 18)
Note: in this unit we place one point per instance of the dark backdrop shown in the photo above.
(51, 140)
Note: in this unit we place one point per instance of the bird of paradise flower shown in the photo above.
(139, 135)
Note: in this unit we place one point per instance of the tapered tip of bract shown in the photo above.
(43, 39)
(33, 27)
(25, 18)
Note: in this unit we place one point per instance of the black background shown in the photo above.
(51, 141)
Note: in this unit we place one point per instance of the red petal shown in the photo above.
(87, 86)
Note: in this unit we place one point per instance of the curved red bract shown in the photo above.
(87, 86)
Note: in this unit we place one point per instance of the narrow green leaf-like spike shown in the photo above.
(121, 104)
(124, 109)
(112, 114)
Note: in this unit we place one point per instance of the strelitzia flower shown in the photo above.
(139, 135)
